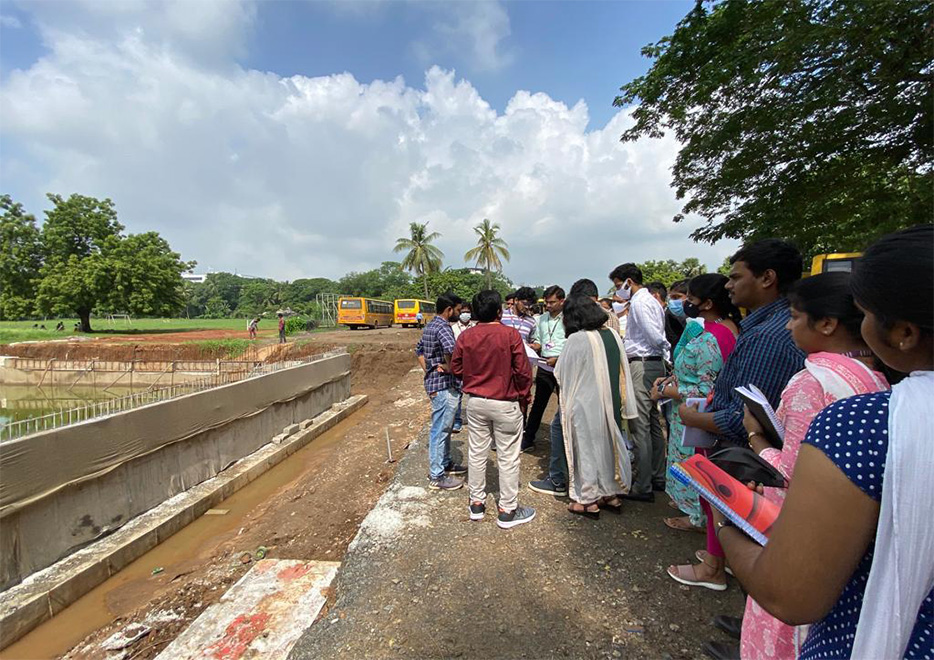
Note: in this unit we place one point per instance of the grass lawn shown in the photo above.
(13, 331)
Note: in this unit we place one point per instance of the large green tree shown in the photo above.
(806, 119)
(88, 264)
(669, 270)
(421, 257)
(489, 251)
(20, 260)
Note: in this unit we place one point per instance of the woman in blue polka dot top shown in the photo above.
(852, 552)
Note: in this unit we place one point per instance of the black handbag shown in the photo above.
(745, 465)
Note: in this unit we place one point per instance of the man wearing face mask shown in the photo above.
(458, 325)
(550, 335)
(672, 302)
(646, 347)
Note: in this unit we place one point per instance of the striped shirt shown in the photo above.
(766, 356)
(525, 325)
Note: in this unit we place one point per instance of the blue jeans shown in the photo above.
(458, 419)
(443, 408)
(558, 464)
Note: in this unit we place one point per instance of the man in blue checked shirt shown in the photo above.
(765, 355)
(434, 351)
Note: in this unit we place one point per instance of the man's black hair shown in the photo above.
(487, 305)
(453, 297)
(584, 287)
(625, 272)
(657, 287)
(772, 254)
(582, 313)
(526, 294)
(511, 295)
(554, 290)
(443, 303)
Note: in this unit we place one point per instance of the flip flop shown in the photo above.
(678, 575)
(604, 504)
(702, 554)
(681, 526)
(593, 515)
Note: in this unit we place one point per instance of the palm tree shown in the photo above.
(489, 249)
(422, 257)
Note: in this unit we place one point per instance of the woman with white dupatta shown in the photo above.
(852, 551)
(596, 395)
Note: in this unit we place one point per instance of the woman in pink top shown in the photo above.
(825, 323)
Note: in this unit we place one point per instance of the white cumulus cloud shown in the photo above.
(300, 177)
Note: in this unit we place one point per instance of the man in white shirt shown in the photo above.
(646, 348)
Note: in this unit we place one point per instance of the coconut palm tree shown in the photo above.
(421, 256)
(490, 248)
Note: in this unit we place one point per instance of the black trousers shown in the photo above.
(545, 385)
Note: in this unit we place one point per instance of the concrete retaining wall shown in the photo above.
(54, 373)
(80, 511)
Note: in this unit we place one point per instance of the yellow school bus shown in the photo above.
(407, 309)
(834, 263)
(364, 312)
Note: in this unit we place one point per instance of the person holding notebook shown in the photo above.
(708, 339)
(825, 324)
(765, 356)
(851, 551)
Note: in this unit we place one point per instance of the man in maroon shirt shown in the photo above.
(497, 378)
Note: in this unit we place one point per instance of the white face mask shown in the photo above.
(465, 318)
(624, 292)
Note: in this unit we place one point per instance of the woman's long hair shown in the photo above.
(712, 287)
(582, 313)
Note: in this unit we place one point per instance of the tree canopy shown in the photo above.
(490, 250)
(422, 258)
(20, 259)
(669, 271)
(804, 119)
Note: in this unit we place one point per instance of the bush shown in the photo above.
(294, 324)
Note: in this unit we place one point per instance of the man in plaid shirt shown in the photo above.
(434, 351)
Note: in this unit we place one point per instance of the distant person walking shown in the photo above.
(252, 327)
(281, 328)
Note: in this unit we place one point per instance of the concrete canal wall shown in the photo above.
(65, 488)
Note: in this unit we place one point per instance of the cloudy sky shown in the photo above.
(299, 139)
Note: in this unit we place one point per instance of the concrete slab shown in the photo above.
(261, 616)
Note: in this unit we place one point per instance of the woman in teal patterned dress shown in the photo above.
(709, 337)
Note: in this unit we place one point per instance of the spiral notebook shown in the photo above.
(747, 509)
(762, 410)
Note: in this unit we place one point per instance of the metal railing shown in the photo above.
(61, 418)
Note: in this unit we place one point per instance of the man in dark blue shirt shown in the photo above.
(434, 351)
(765, 356)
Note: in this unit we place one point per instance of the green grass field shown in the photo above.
(14, 331)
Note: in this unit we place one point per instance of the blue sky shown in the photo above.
(324, 128)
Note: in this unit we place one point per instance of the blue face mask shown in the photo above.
(676, 307)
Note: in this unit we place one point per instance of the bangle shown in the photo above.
(753, 434)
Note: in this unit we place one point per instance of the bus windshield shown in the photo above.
(351, 304)
(406, 304)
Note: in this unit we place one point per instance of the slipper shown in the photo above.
(702, 554)
(593, 515)
(681, 526)
(605, 504)
(679, 575)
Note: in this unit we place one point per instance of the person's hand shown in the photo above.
(536, 347)
(552, 361)
(654, 393)
(751, 424)
(759, 488)
(689, 414)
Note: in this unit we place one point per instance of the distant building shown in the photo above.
(194, 278)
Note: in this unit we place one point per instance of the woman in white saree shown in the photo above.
(596, 397)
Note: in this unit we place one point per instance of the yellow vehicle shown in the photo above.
(834, 263)
(406, 312)
(364, 312)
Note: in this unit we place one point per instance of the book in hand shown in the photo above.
(697, 437)
(748, 510)
(762, 410)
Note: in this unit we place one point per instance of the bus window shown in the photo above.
(838, 266)
(406, 304)
(351, 304)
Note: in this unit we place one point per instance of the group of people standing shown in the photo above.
(847, 360)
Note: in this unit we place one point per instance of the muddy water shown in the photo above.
(94, 610)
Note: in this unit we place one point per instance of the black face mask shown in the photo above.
(691, 310)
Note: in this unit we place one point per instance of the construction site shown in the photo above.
(275, 505)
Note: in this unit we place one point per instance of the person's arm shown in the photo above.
(705, 421)
(535, 340)
(652, 318)
(448, 344)
(457, 360)
(521, 371)
(822, 533)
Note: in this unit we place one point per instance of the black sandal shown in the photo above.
(606, 503)
(593, 515)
